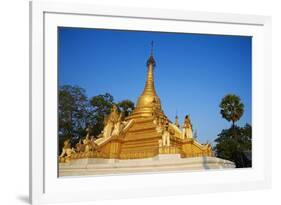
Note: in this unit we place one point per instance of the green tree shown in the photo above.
(235, 144)
(73, 112)
(76, 113)
(126, 106)
(101, 106)
(232, 108)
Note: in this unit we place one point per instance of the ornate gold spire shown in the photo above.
(148, 103)
(177, 121)
(149, 88)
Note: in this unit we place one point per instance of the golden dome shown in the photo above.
(148, 103)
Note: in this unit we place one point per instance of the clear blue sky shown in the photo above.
(193, 72)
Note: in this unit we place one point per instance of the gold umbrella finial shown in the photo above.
(151, 48)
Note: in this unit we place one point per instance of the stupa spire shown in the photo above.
(177, 119)
(148, 102)
(149, 88)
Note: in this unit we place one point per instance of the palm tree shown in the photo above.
(232, 108)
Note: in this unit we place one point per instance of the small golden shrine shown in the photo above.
(145, 133)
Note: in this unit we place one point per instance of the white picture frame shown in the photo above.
(46, 187)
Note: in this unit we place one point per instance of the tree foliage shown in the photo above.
(235, 144)
(102, 105)
(126, 106)
(73, 112)
(232, 108)
(77, 112)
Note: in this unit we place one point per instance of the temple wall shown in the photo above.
(111, 149)
(141, 140)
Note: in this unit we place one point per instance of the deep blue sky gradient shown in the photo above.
(193, 71)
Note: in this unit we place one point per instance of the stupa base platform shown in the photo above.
(162, 162)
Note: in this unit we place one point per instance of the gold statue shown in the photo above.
(67, 152)
(166, 136)
(110, 121)
(86, 143)
(79, 146)
(117, 126)
(187, 128)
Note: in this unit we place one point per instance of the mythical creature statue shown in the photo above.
(87, 145)
(67, 152)
(162, 127)
(110, 122)
(94, 146)
(79, 146)
(117, 126)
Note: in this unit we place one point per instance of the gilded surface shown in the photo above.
(145, 133)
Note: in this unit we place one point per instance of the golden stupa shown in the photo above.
(145, 133)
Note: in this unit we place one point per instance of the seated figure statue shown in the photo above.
(67, 152)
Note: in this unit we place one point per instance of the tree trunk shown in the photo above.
(233, 129)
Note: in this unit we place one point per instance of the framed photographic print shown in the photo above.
(129, 102)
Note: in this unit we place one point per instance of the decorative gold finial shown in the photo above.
(151, 60)
(151, 48)
(177, 121)
(148, 103)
